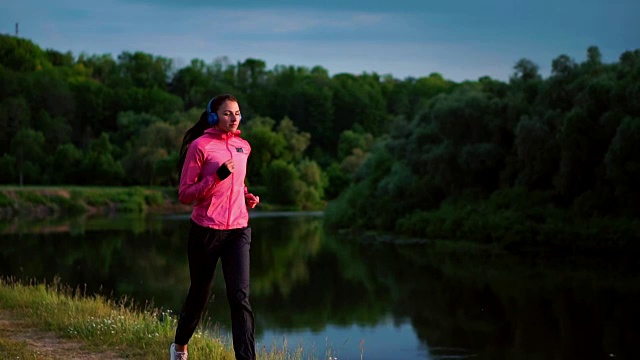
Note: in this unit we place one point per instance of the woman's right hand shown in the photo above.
(230, 165)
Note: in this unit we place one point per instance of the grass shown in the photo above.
(106, 325)
(17, 350)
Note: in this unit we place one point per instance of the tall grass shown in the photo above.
(122, 327)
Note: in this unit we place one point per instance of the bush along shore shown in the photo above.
(513, 220)
(46, 202)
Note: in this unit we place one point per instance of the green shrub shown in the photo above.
(32, 197)
(68, 205)
(154, 198)
(5, 200)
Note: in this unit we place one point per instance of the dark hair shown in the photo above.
(198, 129)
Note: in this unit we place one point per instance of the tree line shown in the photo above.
(392, 154)
(524, 162)
(96, 119)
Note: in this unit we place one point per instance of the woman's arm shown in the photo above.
(192, 186)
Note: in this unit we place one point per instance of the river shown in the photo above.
(349, 298)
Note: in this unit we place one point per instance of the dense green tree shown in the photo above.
(623, 163)
(99, 165)
(57, 130)
(409, 147)
(297, 142)
(266, 146)
(538, 154)
(27, 147)
(67, 162)
(94, 109)
(351, 140)
(312, 111)
(151, 147)
(283, 184)
(49, 90)
(21, 54)
(15, 114)
(252, 78)
(56, 58)
(314, 180)
(102, 68)
(8, 165)
(191, 84)
(10, 82)
(145, 70)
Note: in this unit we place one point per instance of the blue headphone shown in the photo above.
(212, 116)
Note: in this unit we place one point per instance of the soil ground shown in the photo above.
(47, 345)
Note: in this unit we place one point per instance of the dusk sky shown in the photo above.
(461, 39)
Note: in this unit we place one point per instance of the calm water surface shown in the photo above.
(350, 299)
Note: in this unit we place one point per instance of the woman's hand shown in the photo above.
(230, 165)
(225, 169)
(252, 200)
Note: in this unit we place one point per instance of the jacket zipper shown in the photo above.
(231, 194)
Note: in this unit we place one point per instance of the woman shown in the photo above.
(213, 164)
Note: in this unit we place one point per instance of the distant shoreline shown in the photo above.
(40, 202)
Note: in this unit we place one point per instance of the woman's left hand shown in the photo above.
(252, 200)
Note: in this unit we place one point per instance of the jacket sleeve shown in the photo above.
(192, 186)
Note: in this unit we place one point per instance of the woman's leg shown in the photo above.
(235, 266)
(203, 253)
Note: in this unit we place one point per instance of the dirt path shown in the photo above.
(46, 345)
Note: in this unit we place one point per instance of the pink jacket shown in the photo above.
(217, 204)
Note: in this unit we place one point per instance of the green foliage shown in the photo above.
(8, 166)
(100, 163)
(520, 164)
(67, 205)
(348, 210)
(315, 182)
(66, 161)
(28, 149)
(32, 197)
(351, 140)
(623, 163)
(266, 146)
(517, 220)
(406, 145)
(337, 181)
(15, 115)
(537, 153)
(283, 184)
(297, 142)
(153, 198)
(5, 200)
(21, 54)
(145, 70)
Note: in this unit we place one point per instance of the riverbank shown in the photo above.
(47, 202)
(52, 201)
(514, 221)
(50, 321)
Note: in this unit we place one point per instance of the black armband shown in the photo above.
(223, 172)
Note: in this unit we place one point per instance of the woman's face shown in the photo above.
(228, 116)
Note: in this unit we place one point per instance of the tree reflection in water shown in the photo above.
(407, 301)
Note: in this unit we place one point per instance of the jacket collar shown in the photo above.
(222, 134)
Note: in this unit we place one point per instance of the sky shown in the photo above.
(460, 39)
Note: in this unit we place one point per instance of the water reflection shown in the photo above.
(347, 298)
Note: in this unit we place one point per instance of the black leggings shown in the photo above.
(205, 247)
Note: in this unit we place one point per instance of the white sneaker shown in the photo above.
(177, 355)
